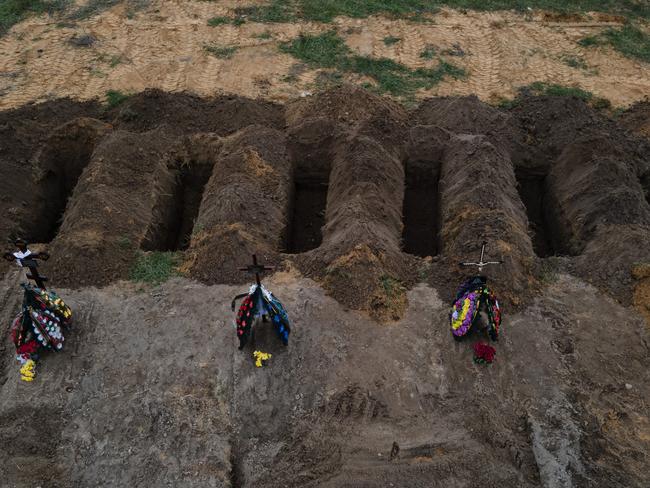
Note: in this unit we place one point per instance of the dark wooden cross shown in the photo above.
(29, 262)
(257, 269)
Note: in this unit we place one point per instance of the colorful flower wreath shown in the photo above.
(260, 302)
(463, 313)
(38, 326)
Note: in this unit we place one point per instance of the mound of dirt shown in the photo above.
(361, 138)
(468, 115)
(550, 123)
(610, 194)
(479, 202)
(188, 114)
(121, 204)
(22, 132)
(245, 206)
(355, 191)
(607, 223)
(637, 118)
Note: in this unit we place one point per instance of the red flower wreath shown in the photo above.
(484, 353)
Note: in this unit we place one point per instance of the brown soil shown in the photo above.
(156, 373)
(641, 274)
(245, 206)
(121, 204)
(189, 114)
(637, 118)
(162, 46)
(229, 186)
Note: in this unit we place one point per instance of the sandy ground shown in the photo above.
(162, 47)
(152, 391)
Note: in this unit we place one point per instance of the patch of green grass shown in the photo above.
(327, 10)
(155, 267)
(214, 21)
(264, 35)
(416, 10)
(550, 89)
(221, 52)
(429, 52)
(539, 88)
(391, 285)
(13, 11)
(275, 11)
(328, 50)
(630, 41)
(589, 41)
(574, 62)
(124, 242)
(632, 8)
(95, 7)
(390, 40)
(115, 98)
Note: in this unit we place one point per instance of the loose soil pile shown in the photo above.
(555, 188)
(245, 204)
(637, 118)
(397, 198)
(121, 204)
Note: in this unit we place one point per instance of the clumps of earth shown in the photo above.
(364, 209)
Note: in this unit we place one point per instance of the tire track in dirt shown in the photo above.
(162, 47)
(484, 79)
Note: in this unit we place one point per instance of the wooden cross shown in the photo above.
(29, 261)
(257, 269)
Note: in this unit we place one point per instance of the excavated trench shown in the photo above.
(177, 225)
(532, 191)
(349, 185)
(308, 206)
(421, 209)
(58, 166)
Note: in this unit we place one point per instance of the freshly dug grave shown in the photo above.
(245, 204)
(479, 202)
(607, 222)
(22, 132)
(57, 168)
(362, 202)
(121, 204)
(359, 139)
